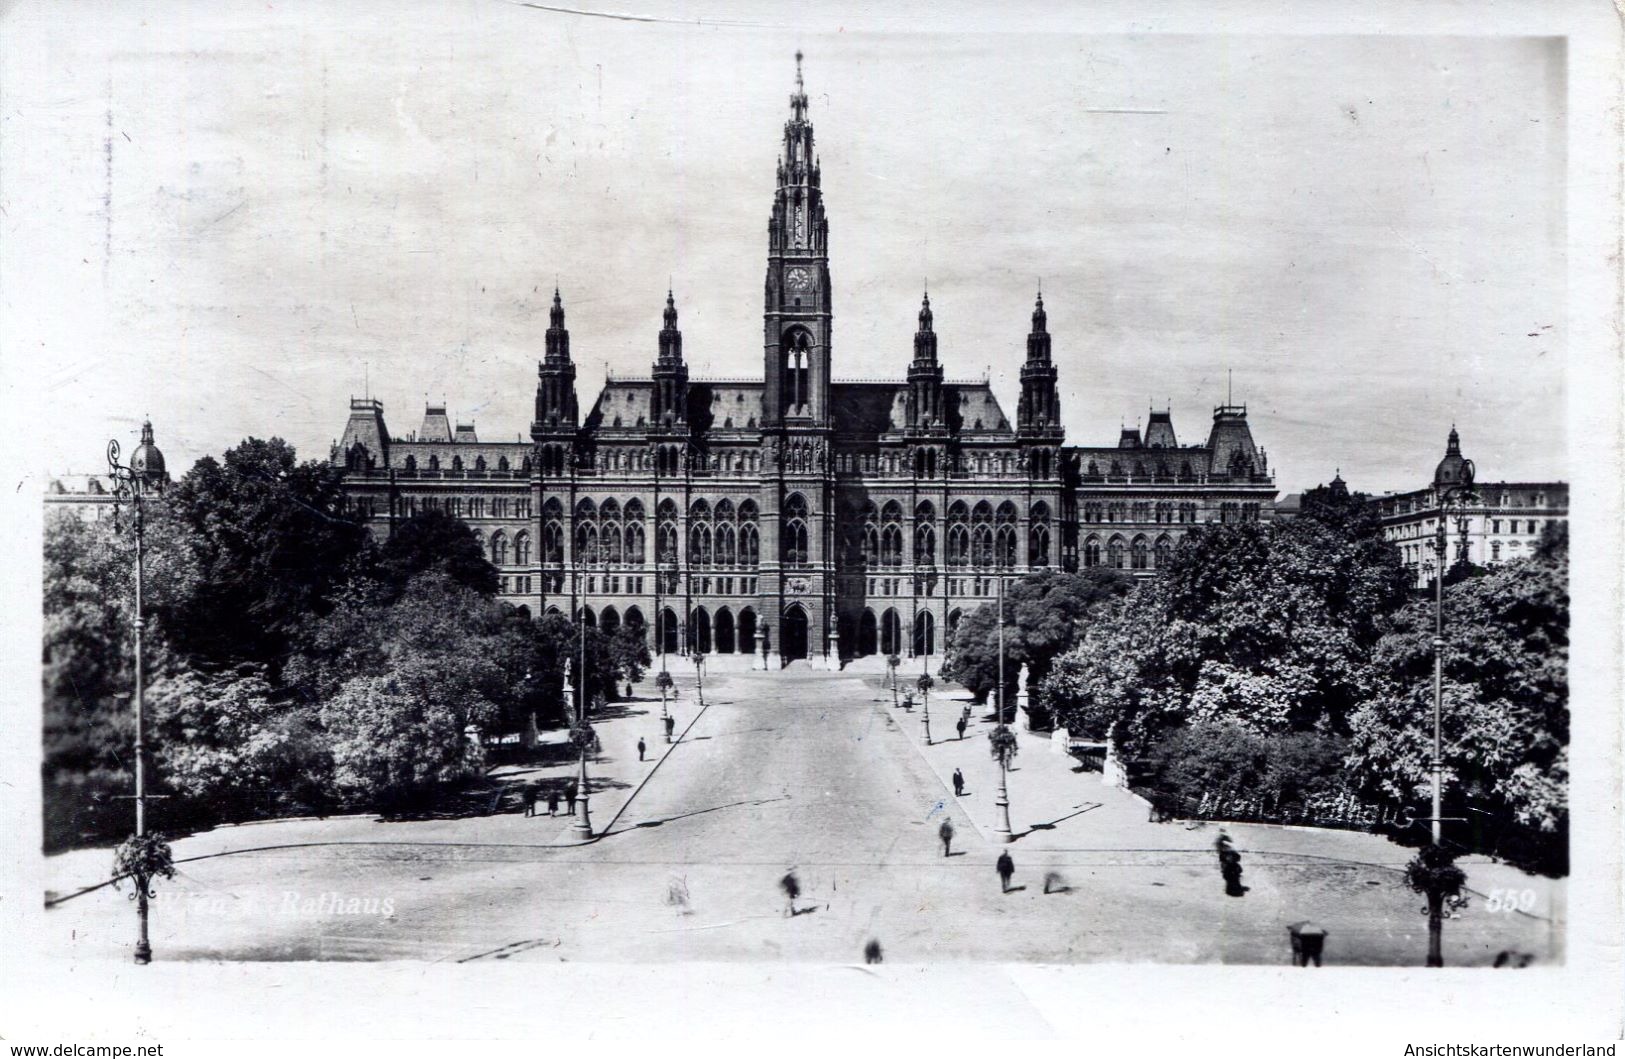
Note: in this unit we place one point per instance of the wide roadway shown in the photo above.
(796, 772)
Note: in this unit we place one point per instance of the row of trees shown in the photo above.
(294, 663)
(1288, 662)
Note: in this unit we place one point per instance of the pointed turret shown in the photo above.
(556, 408)
(669, 406)
(1038, 412)
(925, 376)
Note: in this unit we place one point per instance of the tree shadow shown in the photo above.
(615, 711)
(711, 809)
(540, 756)
(1050, 825)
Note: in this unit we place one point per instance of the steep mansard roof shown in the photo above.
(863, 410)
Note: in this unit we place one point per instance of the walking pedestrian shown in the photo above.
(1007, 869)
(946, 833)
(552, 801)
(792, 890)
(570, 796)
(961, 727)
(530, 799)
(1229, 866)
(959, 780)
(641, 748)
(871, 951)
(671, 723)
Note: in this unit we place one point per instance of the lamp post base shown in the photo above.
(582, 828)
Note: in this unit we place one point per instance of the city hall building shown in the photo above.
(798, 515)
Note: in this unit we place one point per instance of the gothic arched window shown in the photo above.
(795, 530)
(925, 544)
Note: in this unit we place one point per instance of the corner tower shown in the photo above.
(557, 415)
(797, 312)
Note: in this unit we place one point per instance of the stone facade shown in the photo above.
(1505, 522)
(796, 515)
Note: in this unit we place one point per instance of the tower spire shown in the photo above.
(669, 405)
(924, 402)
(1038, 412)
(797, 291)
(798, 99)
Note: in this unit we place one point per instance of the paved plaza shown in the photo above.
(801, 771)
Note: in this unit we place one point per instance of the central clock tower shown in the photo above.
(797, 582)
(797, 311)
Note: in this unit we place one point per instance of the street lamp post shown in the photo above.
(1004, 740)
(924, 684)
(1000, 697)
(144, 474)
(582, 734)
(1453, 503)
(699, 678)
(1434, 872)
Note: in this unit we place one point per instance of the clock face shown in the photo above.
(799, 279)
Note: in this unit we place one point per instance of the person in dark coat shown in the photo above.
(959, 782)
(641, 748)
(792, 890)
(961, 727)
(553, 801)
(570, 796)
(1229, 866)
(946, 833)
(1007, 869)
(530, 799)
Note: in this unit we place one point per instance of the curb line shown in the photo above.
(675, 743)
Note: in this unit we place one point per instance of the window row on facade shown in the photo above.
(1125, 553)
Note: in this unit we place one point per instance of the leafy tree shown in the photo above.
(435, 540)
(227, 741)
(397, 737)
(629, 653)
(273, 547)
(477, 641)
(1267, 625)
(1044, 615)
(1002, 745)
(1226, 759)
(1505, 715)
(88, 658)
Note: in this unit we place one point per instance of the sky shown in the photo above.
(233, 217)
